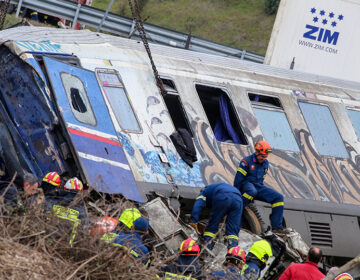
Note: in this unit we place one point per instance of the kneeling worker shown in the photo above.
(249, 179)
(133, 241)
(223, 199)
(186, 266)
(234, 260)
(259, 254)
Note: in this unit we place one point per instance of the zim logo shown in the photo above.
(319, 29)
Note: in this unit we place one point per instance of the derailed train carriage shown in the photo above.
(87, 104)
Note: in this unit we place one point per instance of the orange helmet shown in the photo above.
(263, 147)
(74, 184)
(52, 178)
(106, 224)
(189, 248)
(344, 276)
(236, 253)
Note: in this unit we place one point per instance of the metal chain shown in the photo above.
(3, 12)
(140, 27)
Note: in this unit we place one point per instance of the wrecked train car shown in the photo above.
(87, 104)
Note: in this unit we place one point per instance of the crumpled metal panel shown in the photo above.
(28, 117)
(165, 225)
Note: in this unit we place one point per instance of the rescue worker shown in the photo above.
(234, 260)
(186, 266)
(307, 270)
(133, 241)
(14, 198)
(249, 179)
(105, 225)
(223, 199)
(259, 254)
(33, 195)
(106, 228)
(127, 218)
(58, 200)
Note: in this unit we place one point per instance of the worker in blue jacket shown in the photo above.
(249, 179)
(223, 199)
(133, 241)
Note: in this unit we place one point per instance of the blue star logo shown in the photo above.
(333, 24)
(315, 19)
(322, 12)
(324, 21)
(331, 15)
(340, 17)
(313, 10)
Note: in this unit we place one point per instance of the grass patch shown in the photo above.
(238, 23)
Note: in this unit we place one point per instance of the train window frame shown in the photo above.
(172, 93)
(98, 71)
(357, 131)
(232, 110)
(251, 94)
(82, 117)
(312, 135)
(278, 109)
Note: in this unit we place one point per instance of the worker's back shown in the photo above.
(302, 271)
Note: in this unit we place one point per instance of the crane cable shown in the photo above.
(140, 27)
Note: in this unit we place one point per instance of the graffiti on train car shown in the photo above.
(297, 175)
(43, 46)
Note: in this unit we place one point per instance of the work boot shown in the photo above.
(207, 241)
(231, 243)
(281, 231)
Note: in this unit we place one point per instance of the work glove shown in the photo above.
(195, 226)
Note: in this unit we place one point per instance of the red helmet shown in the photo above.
(236, 253)
(263, 147)
(74, 184)
(52, 178)
(189, 248)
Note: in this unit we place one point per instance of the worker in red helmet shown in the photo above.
(186, 266)
(58, 201)
(249, 179)
(234, 261)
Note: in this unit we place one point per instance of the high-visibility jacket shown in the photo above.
(129, 215)
(109, 237)
(262, 250)
(70, 215)
(256, 259)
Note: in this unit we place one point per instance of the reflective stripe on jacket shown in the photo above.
(251, 171)
(68, 214)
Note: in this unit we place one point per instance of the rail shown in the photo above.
(124, 26)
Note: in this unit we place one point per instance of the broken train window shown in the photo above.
(78, 99)
(273, 122)
(118, 98)
(323, 130)
(221, 114)
(175, 107)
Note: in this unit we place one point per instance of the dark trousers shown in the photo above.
(251, 191)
